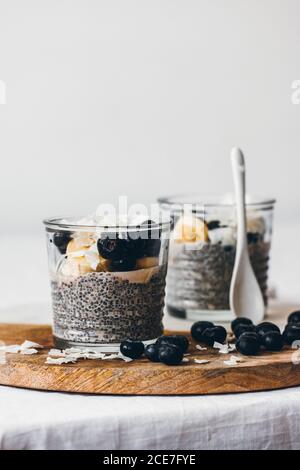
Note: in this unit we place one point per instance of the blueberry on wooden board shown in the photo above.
(272, 341)
(248, 345)
(291, 333)
(215, 334)
(243, 328)
(151, 352)
(266, 327)
(294, 317)
(253, 334)
(170, 354)
(132, 349)
(180, 341)
(240, 321)
(198, 327)
(61, 240)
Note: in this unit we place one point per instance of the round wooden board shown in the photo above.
(141, 377)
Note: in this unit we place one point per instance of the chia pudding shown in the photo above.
(202, 255)
(107, 286)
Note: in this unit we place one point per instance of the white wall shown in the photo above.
(145, 98)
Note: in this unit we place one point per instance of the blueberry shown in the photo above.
(240, 320)
(253, 238)
(180, 341)
(154, 232)
(213, 224)
(294, 317)
(110, 246)
(145, 243)
(152, 239)
(152, 248)
(242, 328)
(227, 248)
(170, 354)
(198, 327)
(266, 327)
(132, 349)
(151, 352)
(248, 345)
(61, 240)
(252, 334)
(121, 265)
(291, 333)
(216, 333)
(272, 341)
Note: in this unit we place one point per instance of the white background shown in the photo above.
(143, 98)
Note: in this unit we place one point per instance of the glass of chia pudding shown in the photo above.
(202, 252)
(107, 282)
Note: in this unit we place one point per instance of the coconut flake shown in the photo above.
(30, 344)
(60, 360)
(185, 359)
(13, 348)
(224, 348)
(29, 351)
(56, 353)
(125, 358)
(201, 361)
(201, 348)
(233, 361)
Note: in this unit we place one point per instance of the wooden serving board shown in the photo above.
(142, 377)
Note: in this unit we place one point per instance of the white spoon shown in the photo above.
(245, 296)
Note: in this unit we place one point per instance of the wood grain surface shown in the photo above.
(142, 377)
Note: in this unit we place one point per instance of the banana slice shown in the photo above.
(139, 276)
(148, 262)
(190, 229)
(256, 224)
(73, 267)
(79, 244)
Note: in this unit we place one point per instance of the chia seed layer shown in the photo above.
(102, 308)
(200, 279)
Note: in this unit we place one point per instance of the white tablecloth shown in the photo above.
(46, 420)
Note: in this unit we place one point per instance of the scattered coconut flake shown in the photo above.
(125, 358)
(56, 353)
(217, 345)
(224, 348)
(29, 351)
(201, 348)
(111, 356)
(201, 361)
(94, 355)
(187, 354)
(185, 359)
(233, 361)
(13, 348)
(30, 344)
(60, 360)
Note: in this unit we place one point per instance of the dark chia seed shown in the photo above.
(102, 308)
(200, 279)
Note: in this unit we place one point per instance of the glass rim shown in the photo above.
(177, 201)
(62, 223)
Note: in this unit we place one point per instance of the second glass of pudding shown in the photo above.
(202, 253)
(107, 283)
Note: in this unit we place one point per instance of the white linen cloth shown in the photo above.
(46, 420)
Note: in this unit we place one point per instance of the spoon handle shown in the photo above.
(238, 168)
